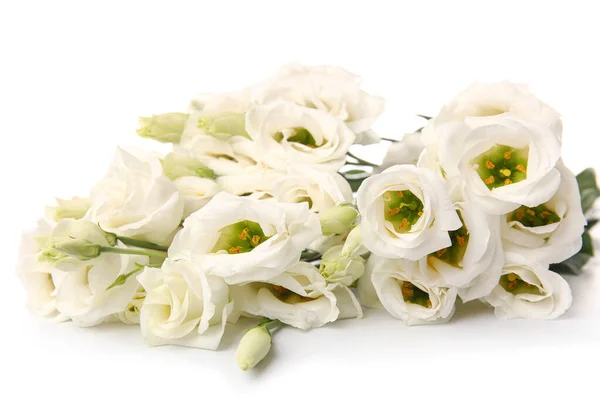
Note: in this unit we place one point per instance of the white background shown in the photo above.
(75, 76)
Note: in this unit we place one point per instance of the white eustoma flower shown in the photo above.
(299, 297)
(406, 151)
(196, 192)
(397, 286)
(505, 164)
(482, 100)
(529, 290)
(322, 190)
(549, 232)
(131, 314)
(287, 134)
(406, 213)
(183, 305)
(242, 239)
(135, 199)
(329, 89)
(256, 181)
(40, 279)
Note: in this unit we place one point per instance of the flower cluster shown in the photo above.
(253, 212)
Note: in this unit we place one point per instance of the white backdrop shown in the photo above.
(74, 76)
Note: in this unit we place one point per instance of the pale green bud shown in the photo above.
(337, 268)
(74, 208)
(177, 165)
(79, 248)
(353, 244)
(166, 128)
(253, 347)
(50, 256)
(337, 220)
(80, 229)
(223, 125)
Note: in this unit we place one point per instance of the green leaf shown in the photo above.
(575, 264)
(588, 188)
(424, 116)
(355, 172)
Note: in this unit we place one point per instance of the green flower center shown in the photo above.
(414, 295)
(513, 283)
(287, 296)
(456, 252)
(502, 165)
(534, 216)
(240, 237)
(403, 209)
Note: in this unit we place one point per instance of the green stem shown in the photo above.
(362, 161)
(272, 324)
(140, 252)
(141, 243)
(390, 140)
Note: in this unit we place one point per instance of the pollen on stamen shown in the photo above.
(512, 285)
(243, 234)
(511, 277)
(521, 168)
(420, 213)
(507, 182)
(234, 250)
(279, 289)
(520, 215)
(408, 292)
(489, 164)
(507, 155)
(531, 212)
(489, 180)
(255, 240)
(428, 303)
(545, 214)
(399, 193)
(441, 252)
(394, 211)
(404, 223)
(461, 241)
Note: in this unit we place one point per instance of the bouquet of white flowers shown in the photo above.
(260, 210)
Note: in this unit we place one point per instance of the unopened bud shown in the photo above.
(166, 128)
(223, 125)
(74, 208)
(337, 268)
(337, 220)
(253, 347)
(79, 248)
(177, 165)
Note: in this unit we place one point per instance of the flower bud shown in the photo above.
(177, 165)
(223, 125)
(74, 208)
(166, 128)
(337, 220)
(353, 244)
(80, 229)
(338, 268)
(79, 248)
(253, 347)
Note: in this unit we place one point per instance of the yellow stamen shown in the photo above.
(505, 172)
(489, 180)
(279, 289)
(243, 234)
(404, 223)
(399, 193)
(507, 182)
(545, 214)
(394, 211)
(255, 240)
(420, 213)
(428, 303)
(520, 215)
(531, 212)
(512, 285)
(489, 164)
(461, 241)
(507, 155)
(521, 168)
(511, 277)
(234, 250)
(441, 252)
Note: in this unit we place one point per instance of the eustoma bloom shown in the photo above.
(261, 209)
(407, 213)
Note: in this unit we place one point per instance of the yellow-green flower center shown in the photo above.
(534, 216)
(240, 237)
(403, 209)
(513, 283)
(287, 296)
(454, 254)
(412, 294)
(304, 137)
(502, 165)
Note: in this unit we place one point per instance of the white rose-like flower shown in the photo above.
(329, 89)
(196, 192)
(242, 239)
(255, 181)
(504, 164)
(321, 189)
(135, 199)
(474, 260)
(183, 305)
(550, 232)
(397, 286)
(406, 151)
(406, 213)
(287, 134)
(528, 290)
(40, 279)
(482, 100)
(299, 297)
